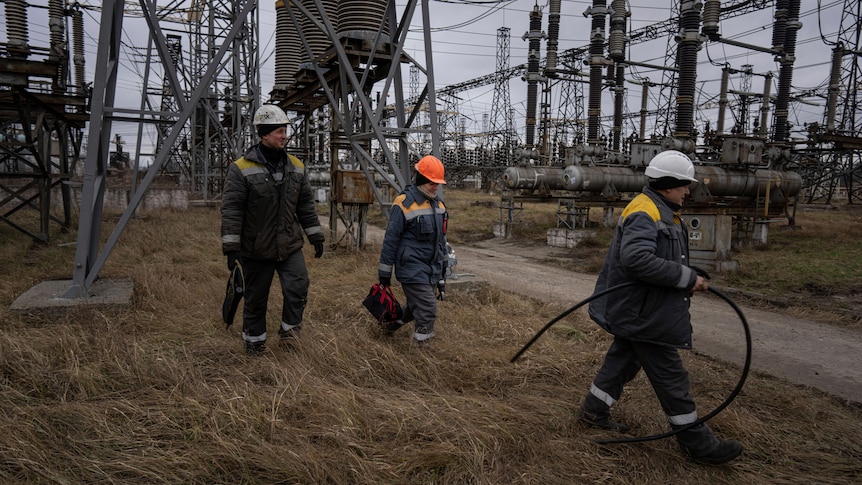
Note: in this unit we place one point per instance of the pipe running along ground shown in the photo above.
(701, 420)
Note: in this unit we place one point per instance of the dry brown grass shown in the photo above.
(161, 393)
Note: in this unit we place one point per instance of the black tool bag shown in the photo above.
(382, 304)
(233, 294)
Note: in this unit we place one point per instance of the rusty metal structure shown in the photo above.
(44, 102)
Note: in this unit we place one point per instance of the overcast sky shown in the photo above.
(464, 36)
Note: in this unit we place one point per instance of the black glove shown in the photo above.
(232, 258)
(385, 280)
(441, 290)
(318, 249)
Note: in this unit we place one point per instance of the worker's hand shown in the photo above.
(441, 290)
(384, 280)
(700, 285)
(318, 249)
(232, 258)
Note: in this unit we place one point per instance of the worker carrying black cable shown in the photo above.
(650, 321)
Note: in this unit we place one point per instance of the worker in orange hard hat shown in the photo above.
(415, 245)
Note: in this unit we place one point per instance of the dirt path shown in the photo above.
(801, 351)
(798, 350)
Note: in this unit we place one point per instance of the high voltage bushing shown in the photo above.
(16, 28)
(617, 39)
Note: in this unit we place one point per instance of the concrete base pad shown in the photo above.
(47, 297)
(465, 283)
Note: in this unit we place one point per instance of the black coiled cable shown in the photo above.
(710, 415)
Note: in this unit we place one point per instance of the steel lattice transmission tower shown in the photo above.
(832, 160)
(502, 127)
(223, 92)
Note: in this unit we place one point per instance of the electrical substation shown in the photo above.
(364, 109)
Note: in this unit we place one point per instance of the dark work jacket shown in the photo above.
(415, 240)
(262, 218)
(650, 248)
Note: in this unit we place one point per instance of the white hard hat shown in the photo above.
(269, 114)
(671, 163)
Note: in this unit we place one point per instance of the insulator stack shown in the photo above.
(834, 86)
(16, 28)
(617, 40)
(318, 40)
(533, 57)
(619, 92)
(57, 24)
(779, 28)
(362, 18)
(722, 100)
(288, 48)
(78, 47)
(785, 73)
(553, 38)
(687, 60)
(597, 61)
(711, 16)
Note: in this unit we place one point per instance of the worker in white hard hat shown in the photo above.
(267, 205)
(650, 321)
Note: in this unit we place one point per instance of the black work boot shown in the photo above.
(255, 349)
(723, 452)
(601, 421)
(390, 328)
(289, 334)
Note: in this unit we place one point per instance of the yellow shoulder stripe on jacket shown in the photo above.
(296, 161)
(642, 203)
(244, 163)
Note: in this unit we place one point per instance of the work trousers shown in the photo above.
(293, 277)
(665, 371)
(422, 305)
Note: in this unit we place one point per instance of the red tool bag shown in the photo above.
(382, 304)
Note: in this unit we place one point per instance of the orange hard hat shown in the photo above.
(431, 168)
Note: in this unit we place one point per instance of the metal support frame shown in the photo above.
(89, 259)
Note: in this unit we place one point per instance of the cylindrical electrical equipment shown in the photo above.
(686, 58)
(57, 24)
(533, 76)
(18, 44)
(764, 106)
(597, 61)
(617, 39)
(78, 48)
(779, 27)
(318, 40)
(721, 182)
(583, 178)
(288, 47)
(785, 74)
(711, 16)
(362, 18)
(553, 37)
(553, 178)
(619, 91)
(722, 101)
(834, 86)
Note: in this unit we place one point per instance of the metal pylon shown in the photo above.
(89, 258)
